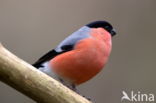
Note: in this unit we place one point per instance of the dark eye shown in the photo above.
(108, 28)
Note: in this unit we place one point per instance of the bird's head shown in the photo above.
(103, 24)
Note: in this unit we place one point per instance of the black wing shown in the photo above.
(51, 54)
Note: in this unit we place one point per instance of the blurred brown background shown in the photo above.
(30, 28)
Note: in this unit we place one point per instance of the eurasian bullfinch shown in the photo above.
(80, 56)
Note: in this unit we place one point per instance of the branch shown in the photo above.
(33, 83)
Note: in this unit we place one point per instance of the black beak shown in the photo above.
(113, 32)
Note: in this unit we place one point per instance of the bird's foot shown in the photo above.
(73, 87)
(87, 98)
(69, 85)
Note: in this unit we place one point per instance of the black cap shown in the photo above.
(103, 24)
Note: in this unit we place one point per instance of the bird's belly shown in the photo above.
(79, 65)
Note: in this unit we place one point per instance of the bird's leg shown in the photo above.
(75, 89)
(72, 87)
(69, 85)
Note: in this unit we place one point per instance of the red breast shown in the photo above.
(87, 58)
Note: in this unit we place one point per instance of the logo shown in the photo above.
(137, 96)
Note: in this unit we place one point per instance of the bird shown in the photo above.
(80, 56)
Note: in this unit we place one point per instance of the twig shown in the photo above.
(33, 83)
